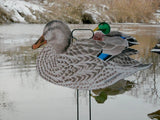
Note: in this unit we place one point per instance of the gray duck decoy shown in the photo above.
(76, 65)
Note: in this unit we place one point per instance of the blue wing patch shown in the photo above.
(123, 37)
(103, 56)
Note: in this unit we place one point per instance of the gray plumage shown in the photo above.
(76, 65)
(131, 40)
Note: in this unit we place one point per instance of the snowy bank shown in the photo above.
(20, 11)
(95, 14)
(68, 11)
(157, 15)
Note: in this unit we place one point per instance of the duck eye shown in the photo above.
(101, 24)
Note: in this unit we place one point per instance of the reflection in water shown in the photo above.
(4, 101)
(22, 57)
(17, 56)
(147, 81)
(118, 88)
(5, 104)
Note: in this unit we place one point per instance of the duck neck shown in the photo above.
(47, 65)
(47, 57)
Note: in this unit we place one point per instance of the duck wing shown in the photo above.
(129, 51)
(114, 33)
(113, 45)
(117, 33)
(80, 71)
(84, 46)
(89, 72)
(131, 40)
(110, 45)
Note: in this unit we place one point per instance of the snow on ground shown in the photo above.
(157, 16)
(97, 12)
(21, 11)
(20, 8)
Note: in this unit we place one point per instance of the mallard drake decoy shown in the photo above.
(119, 36)
(116, 41)
(76, 65)
(156, 49)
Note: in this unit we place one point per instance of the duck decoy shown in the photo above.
(75, 64)
(156, 49)
(114, 46)
(118, 36)
(117, 42)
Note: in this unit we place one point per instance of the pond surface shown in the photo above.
(24, 95)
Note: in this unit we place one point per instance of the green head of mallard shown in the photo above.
(104, 27)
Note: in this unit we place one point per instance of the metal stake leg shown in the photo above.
(89, 104)
(77, 104)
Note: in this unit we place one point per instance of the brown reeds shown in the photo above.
(120, 11)
(133, 10)
(140, 11)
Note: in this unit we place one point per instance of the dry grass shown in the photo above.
(120, 10)
(133, 10)
(71, 10)
(4, 16)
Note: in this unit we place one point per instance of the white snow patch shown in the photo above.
(20, 7)
(157, 15)
(158, 11)
(104, 7)
(96, 12)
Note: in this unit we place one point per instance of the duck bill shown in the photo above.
(41, 41)
(97, 28)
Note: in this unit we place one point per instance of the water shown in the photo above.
(24, 95)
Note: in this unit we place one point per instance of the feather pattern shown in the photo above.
(78, 66)
(82, 69)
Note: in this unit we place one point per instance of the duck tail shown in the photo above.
(129, 51)
(143, 66)
(156, 49)
(132, 41)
